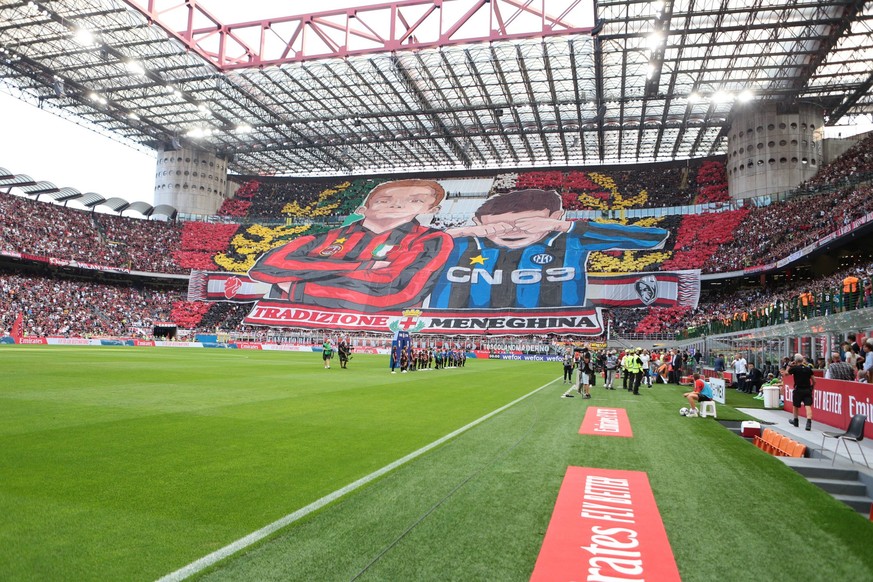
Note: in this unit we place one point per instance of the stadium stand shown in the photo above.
(726, 241)
(61, 306)
(771, 232)
(734, 308)
(855, 163)
(53, 231)
(200, 242)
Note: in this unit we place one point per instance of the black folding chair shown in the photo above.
(855, 433)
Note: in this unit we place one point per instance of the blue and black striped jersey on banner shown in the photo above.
(550, 273)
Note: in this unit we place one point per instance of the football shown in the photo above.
(683, 411)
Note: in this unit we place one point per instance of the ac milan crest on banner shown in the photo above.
(212, 286)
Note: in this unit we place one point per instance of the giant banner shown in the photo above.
(517, 267)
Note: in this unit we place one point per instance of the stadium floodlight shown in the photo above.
(695, 97)
(134, 67)
(202, 108)
(655, 39)
(243, 128)
(745, 96)
(97, 98)
(199, 132)
(84, 37)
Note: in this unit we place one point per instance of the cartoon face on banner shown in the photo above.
(518, 266)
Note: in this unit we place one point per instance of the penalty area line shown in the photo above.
(256, 536)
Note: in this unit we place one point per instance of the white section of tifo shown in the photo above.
(254, 537)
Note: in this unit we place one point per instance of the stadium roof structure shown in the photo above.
(416, 85)
(91, 200)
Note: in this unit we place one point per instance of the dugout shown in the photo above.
(164, 329)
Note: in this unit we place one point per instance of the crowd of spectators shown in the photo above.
(769, 233)
(145, 245)
(224, 317)
(644, 187)
(55, 306)
(189, 314)
(270, 197)
(856, 161)
(699, 237)
(732, 308)
(49, 230)
(294, 199)
(665, 186)
(200, 242)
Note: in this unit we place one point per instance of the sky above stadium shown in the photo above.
(47, 147)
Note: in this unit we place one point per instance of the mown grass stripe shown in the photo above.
(211, 559)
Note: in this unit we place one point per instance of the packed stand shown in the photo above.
(712, 183)
(201, 241)
(645, 187)
(855, 163)
(296, 200)
(224, 317)
(50, 230)
(664, 186)
(702, 236)
(145, 245)
(54, 306)
(730, 308)
(769, 233)
(188, 314)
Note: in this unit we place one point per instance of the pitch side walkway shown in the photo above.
(778, 420)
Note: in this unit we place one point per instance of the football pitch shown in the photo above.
(133, 463)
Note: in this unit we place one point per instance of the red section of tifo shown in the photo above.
(606, 421)
(605, 527)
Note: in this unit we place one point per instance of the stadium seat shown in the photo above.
(762, 441)
(780, 445)
(770, 441)
(798, 451)
(707, 408)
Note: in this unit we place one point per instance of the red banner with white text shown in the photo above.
(835, 402)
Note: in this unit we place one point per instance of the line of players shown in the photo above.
(412, 359)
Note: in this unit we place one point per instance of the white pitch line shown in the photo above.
(256, 536)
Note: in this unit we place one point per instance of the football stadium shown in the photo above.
(438, 290)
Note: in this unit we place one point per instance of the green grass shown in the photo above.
(126, 464)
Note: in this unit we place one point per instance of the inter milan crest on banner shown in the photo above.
(517, 267)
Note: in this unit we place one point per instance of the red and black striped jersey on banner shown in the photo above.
(354, 268)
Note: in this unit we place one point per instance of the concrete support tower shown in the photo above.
(772, 148)
(191, 181)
